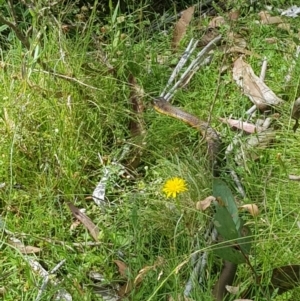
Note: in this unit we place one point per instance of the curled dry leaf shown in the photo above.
(139, 278)
(204, 204)
(181, 26)
(251, 208)
(253, 87)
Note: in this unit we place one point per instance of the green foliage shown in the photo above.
(229, 226)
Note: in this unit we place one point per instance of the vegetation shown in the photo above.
(65, 115)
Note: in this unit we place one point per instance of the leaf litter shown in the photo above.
(181, 26)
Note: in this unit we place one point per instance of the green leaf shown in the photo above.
(225, 224)
(230, 254)
(221, 190)
(245, 240)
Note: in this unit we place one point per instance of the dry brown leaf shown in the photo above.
(253, 87)
(139, 278)
(204, 204)
(216, 22)
(136, 101)
(85, 220)
(123, 269)
(130, 285)
(251, 208)
(22, 248)
(242, 125)
(136, 124)
(30, 250)
(266, 18)
(181, 26)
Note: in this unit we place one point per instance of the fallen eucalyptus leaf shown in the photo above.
(253, 87)
(85, 220)
(181, 26)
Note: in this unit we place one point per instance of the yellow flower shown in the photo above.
(174, 186)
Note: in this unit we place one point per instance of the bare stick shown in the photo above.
(180, 64)
(17, 31)
(46, 279)
(69, 78)
(200, 57)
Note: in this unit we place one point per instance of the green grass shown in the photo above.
(53, 130)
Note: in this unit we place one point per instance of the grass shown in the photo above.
(53, 130)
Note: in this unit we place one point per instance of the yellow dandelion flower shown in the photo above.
(174, 186)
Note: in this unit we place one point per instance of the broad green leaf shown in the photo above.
(225, 224)
(230, 254)
(221, 190)
(245, 239)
